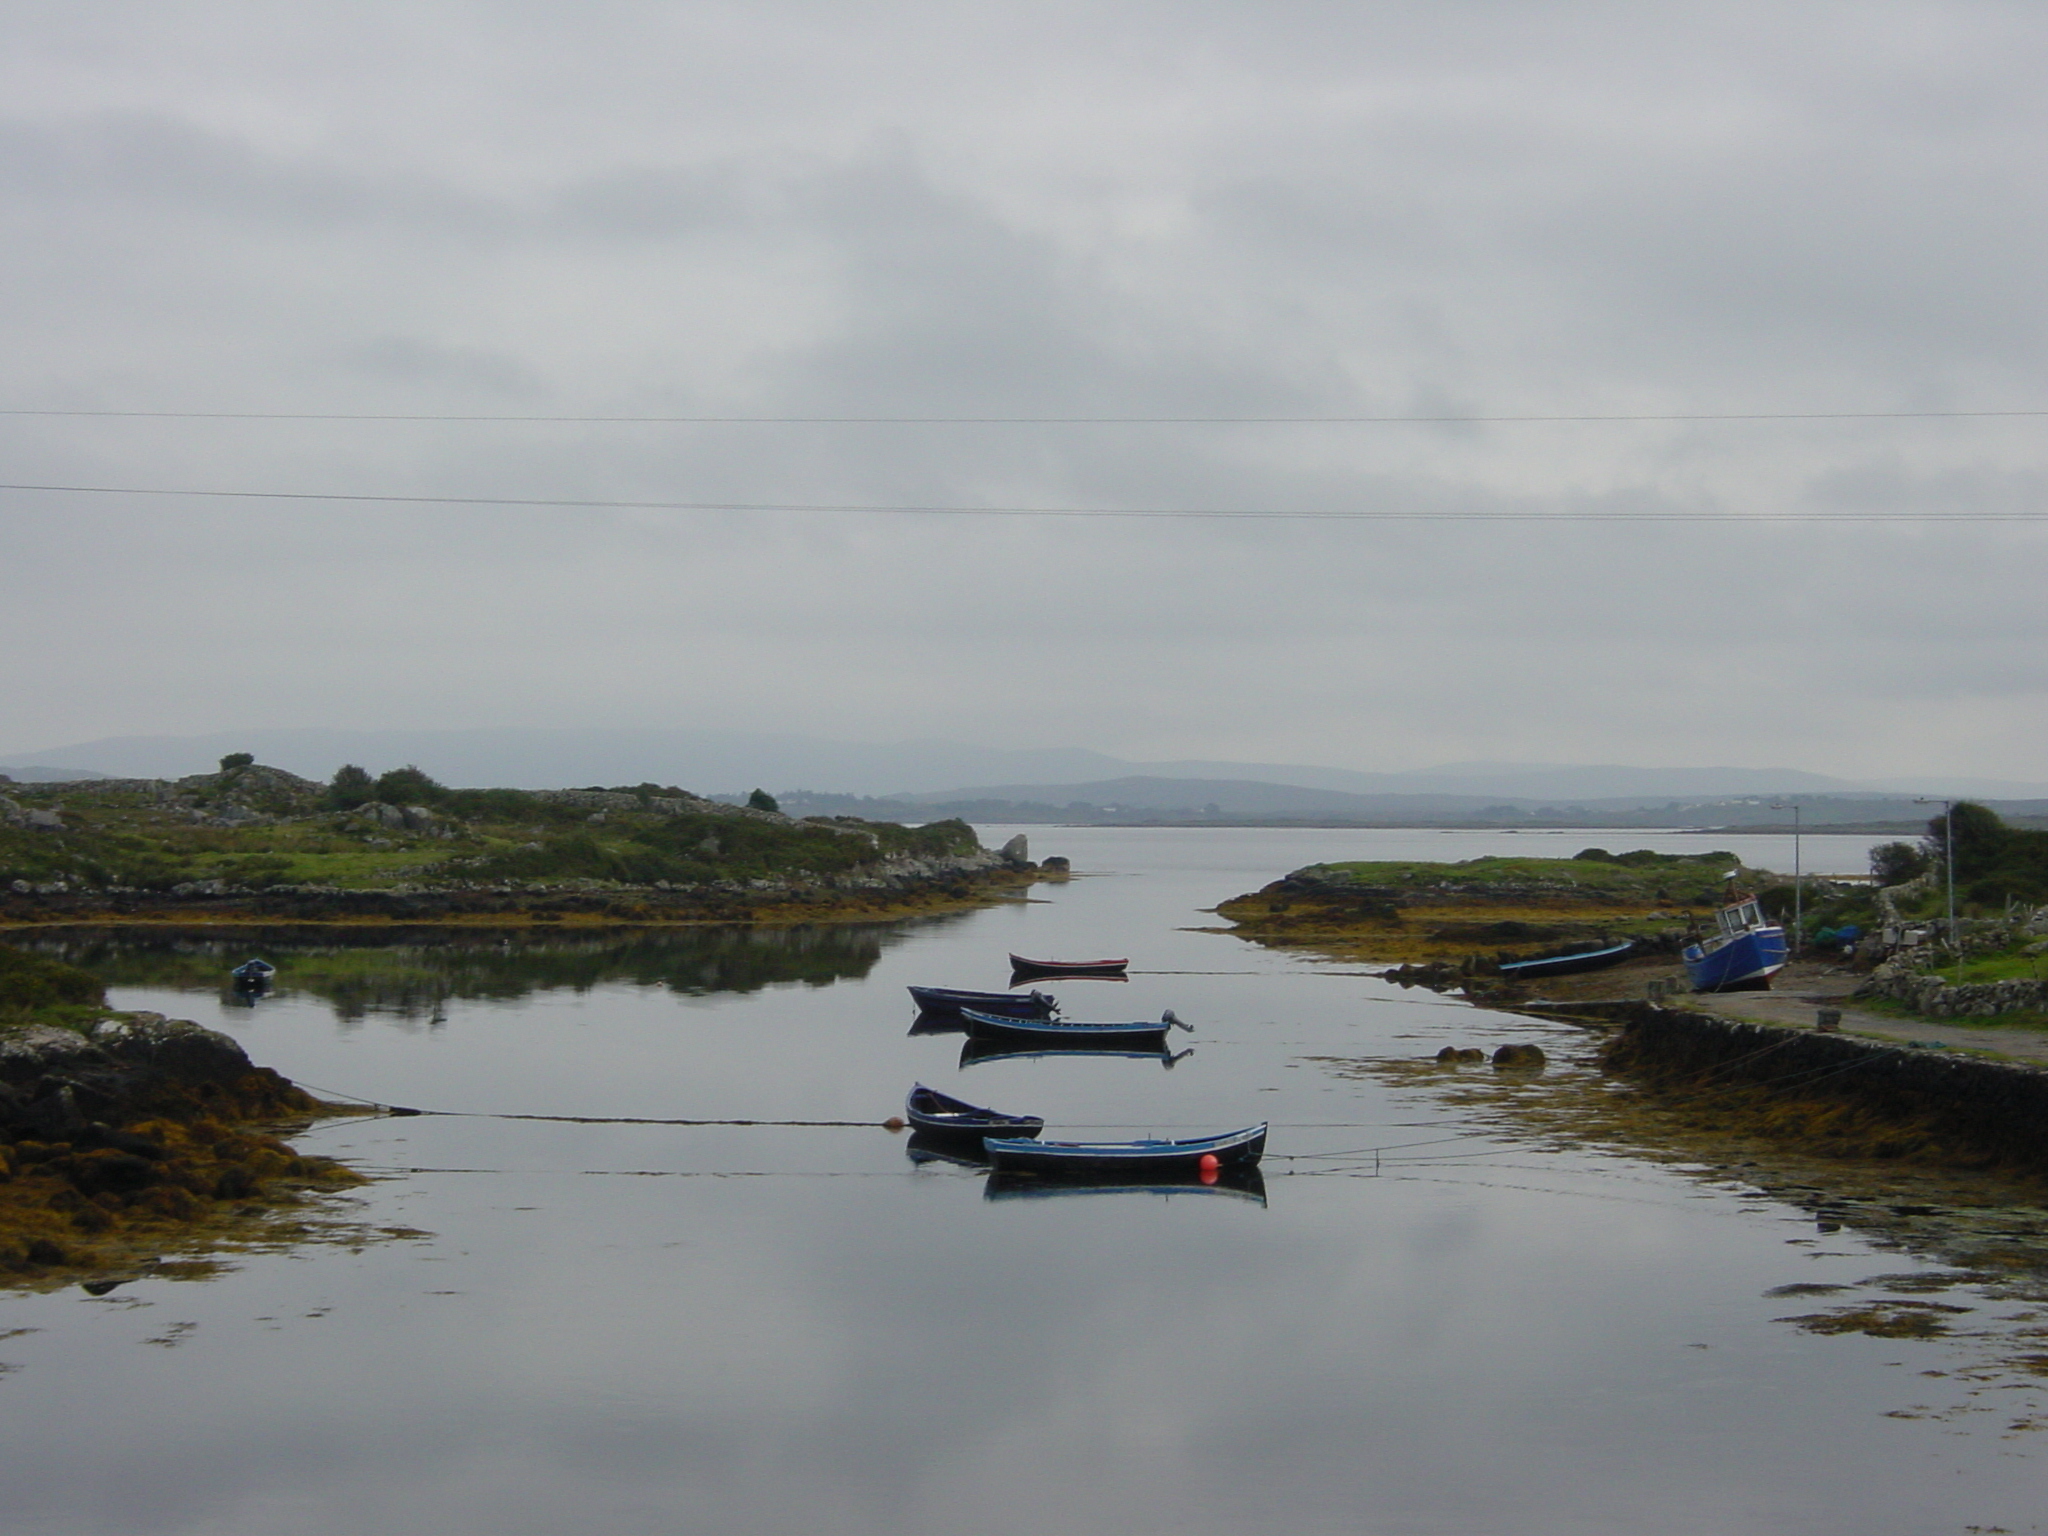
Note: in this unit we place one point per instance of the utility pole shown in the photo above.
(1798, 875)
(1948, 860)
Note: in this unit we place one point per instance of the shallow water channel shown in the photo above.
(1428, 1325)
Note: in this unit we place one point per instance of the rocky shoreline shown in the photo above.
(893, 888)
(136, 1139)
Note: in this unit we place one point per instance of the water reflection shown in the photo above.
(975, 1052)
(1237, 1184)
(412, 973)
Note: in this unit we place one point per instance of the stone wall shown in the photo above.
(1937, 998)
(1987, 1110)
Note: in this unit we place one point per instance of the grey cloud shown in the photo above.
(1160, 210)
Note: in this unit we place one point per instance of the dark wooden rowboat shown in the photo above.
(1102, 968)
(1031, 1005)
(253, 970)
(990, 1026)
(1195, 1159)
(936, 1114)
(1571, 963)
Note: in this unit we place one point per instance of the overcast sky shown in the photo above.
(1096, 210)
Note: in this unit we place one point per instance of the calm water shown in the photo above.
(642, 1329)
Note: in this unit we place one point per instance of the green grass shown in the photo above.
(480, 837)
(2009, 966)
(1680, 879)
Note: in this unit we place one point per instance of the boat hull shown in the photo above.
(1744, 963)
(952, 1000)
(1150, 1161)
(1106, 970)
(944, 1119)
(1044, 1032)
(1568, 965)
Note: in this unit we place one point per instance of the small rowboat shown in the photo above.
(1032, 1005)
(990, 1026)
(1196, 1159)
(253, 973)
(1023, 967)
(1569, 964)
(932, 1113)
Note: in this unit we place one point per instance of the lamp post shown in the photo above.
(1948, 860)
(1798, 877)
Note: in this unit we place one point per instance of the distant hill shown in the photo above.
(733, 762)
(1224, 801)
(42, 773)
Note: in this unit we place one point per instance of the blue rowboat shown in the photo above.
(932, 1113)
(1192, 1159)
(989, 1026)
(1741, 955)
(1031, 1005)
(1570, 964)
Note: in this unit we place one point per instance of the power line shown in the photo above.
(1040, 421)
(893, 509)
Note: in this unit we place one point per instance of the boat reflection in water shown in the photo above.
(974, 1051)
(925, 1147)
(1236, 1183)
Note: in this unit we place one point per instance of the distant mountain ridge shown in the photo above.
(725, 762)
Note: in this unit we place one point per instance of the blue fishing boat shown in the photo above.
(1153, 1160)
(1031, 1005)
(1570, 962)
(1741, 955)
(1041, 1032)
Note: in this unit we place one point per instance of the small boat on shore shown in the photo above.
(940, 1115)
(1743, 953)
(1570, 962)
(1105, 970)
(1031, 1005)
(1191, 1159)
(990, 1026)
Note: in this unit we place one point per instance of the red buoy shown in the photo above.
(1210, 1165)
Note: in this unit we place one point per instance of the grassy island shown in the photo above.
(253, 842)
(1489, 907)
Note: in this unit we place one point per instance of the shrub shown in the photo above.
(352, 786)
(761, 800)
(408, 786)
(236, 760)
(1896, 863)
